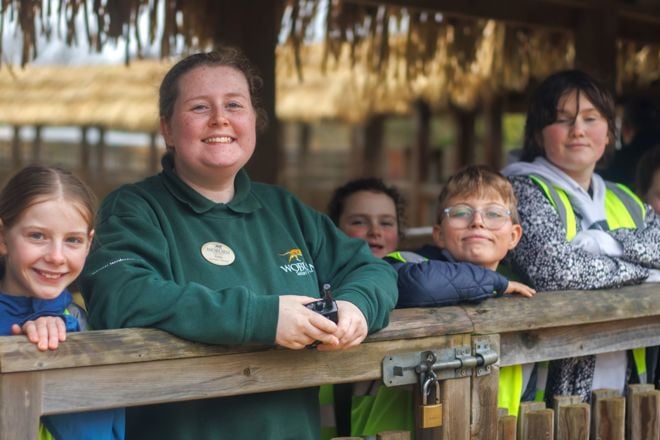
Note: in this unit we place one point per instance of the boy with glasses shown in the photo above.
(477, 226)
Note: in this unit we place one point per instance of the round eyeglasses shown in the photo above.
(461, 216)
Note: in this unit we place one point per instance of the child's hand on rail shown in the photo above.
(520, 289)
(46, 332)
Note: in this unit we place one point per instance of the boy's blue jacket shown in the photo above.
(431, 277)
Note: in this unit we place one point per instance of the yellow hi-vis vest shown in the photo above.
(623, 209)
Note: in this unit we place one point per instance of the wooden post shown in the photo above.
(595, 40)
(646, 422)
(455, 398)
(456, 409)
(372, 158)
(526, 407)
(302, 174)
(419, 162)
(484, 394)
(36, 144)
(493, 142)
(632, 406)
(17, 158)
(608, 419)
(235, 26)
(20, 405)
(506, 428)
(84, 151)
(539, 425)
(154, 160)
(100, 153)
(465, 120)
(574, 422)
(560, 401)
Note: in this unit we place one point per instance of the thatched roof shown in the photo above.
(370, 58)
(120, 97)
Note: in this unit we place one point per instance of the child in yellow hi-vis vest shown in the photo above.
(476, 227)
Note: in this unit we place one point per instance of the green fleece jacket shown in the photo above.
(167, 257)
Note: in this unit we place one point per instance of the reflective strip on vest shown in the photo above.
(623, 209)
(560, 201)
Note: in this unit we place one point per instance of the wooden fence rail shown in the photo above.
(117, 368)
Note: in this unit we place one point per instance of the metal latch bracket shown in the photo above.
(446, 363)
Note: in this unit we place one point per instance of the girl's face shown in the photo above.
(212, 131)
(576, 141)
(371, 216)
(653, 194)
(45, 249)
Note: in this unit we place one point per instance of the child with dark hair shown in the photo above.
(369, 209)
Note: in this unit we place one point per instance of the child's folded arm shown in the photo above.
(441, 283)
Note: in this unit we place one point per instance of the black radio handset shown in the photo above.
(325, 306)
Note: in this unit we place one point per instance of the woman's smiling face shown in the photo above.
(212, 130)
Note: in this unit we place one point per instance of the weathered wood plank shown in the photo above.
(456, 409)
(455, 399)
(506, 428)
(20, 405)
(484, 396)
(417, 323)
(216, 376)
(558, 402)
(633, 411)
(538, 425)
(645, 423)
(525, 408)
(608, 420)
(574, 422)
(578, 340)
(558, 309)
(107, 347)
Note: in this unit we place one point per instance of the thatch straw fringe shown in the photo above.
(111, 96)
(369, 59)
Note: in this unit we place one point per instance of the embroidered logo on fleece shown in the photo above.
(299, 267)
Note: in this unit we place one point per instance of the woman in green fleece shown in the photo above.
(202, 252)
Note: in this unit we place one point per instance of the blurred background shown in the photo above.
(406, 90)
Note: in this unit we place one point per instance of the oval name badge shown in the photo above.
(218, 253)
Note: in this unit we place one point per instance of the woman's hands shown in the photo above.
(520, 289)
(351, 329)
(46, 332)
(298, 327)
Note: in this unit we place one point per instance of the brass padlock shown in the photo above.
(431, 412)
